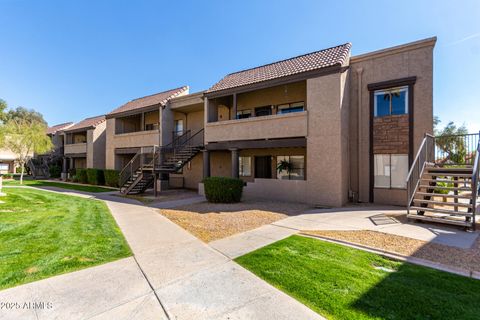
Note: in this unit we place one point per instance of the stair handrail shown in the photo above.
(425, 155)
(475, 177)
(129, 169)
(136, 163)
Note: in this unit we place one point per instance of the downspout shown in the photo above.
(359, 128)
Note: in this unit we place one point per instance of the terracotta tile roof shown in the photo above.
(58, 127)
(307, 62)
(87, 123)
(159, 98)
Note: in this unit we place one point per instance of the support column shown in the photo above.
(71, 163)
(234, 106)
(64, 169)
(206, 163)
(235, 164)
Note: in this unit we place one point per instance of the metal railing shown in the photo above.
(145, 158)
(181, 144)
(425, 156)
(475, 177)
(457, 150)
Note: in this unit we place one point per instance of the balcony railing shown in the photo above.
(264, 127)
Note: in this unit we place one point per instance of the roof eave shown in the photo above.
(336, 68)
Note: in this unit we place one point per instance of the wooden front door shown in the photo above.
(263, 167)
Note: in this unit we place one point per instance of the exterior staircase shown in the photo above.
(141, 172)
(442, 193)
(38, 169)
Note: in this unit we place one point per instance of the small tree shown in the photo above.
(23, 133)
(450, 142)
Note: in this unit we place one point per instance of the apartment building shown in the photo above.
(85, 145)
(323, 128)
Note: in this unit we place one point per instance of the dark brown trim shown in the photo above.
(134, 111)
(392, 83)
(258, 144)
(76, 155)
(370, 138)
(409, 81)
(79, 130)
(127, 150)
(276, 82)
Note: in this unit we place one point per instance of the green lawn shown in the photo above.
(44, 234)
(339, 282)
(42, 183)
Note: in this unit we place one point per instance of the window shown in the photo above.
(179, 127)
(245, 166)
(297, 168)
(263, 111)
(291, 107)
(390, 170)
(393, 101)
(3, 166)
(243, 114)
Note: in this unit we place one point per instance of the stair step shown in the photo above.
(446, 188)
(459, 204)
(458, 175)
(457, 196)
(448, 170)
(440, 220)
(446, 181)
(450, 212)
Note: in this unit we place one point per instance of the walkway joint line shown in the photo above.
(153, 289)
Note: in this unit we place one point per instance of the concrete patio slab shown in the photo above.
(80, 294)
(245, 242)
(142, 308)
(225, 290)
(174, 261)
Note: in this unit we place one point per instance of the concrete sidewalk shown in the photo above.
(172, 275)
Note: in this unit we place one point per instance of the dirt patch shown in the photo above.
(31, 270)
(456, 257)
(210, 221)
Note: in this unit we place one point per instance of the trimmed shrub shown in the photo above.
(72, 172)
(82, 175)
(223, 189)
(55, 171)
(111, 177)
(74, 178)
(95, 176)
(7, 176)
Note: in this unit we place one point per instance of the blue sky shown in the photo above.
(75, 59)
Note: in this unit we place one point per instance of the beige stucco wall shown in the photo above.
(326, 140)
(126, 140)
(274, 189)
(267, 127)
(409, 60)
(96, 146)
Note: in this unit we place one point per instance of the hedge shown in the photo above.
(82, 175)
(111, 177)
(223, 189)
(55, 171)
(95, 176)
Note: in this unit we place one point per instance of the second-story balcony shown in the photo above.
(265, 127)
(75, 148)
(266, 113)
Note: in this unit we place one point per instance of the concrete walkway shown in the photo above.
(172, 275)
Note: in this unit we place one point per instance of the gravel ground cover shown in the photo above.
(461, 258)
(213, 221)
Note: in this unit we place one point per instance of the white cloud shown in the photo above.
(472, 36)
